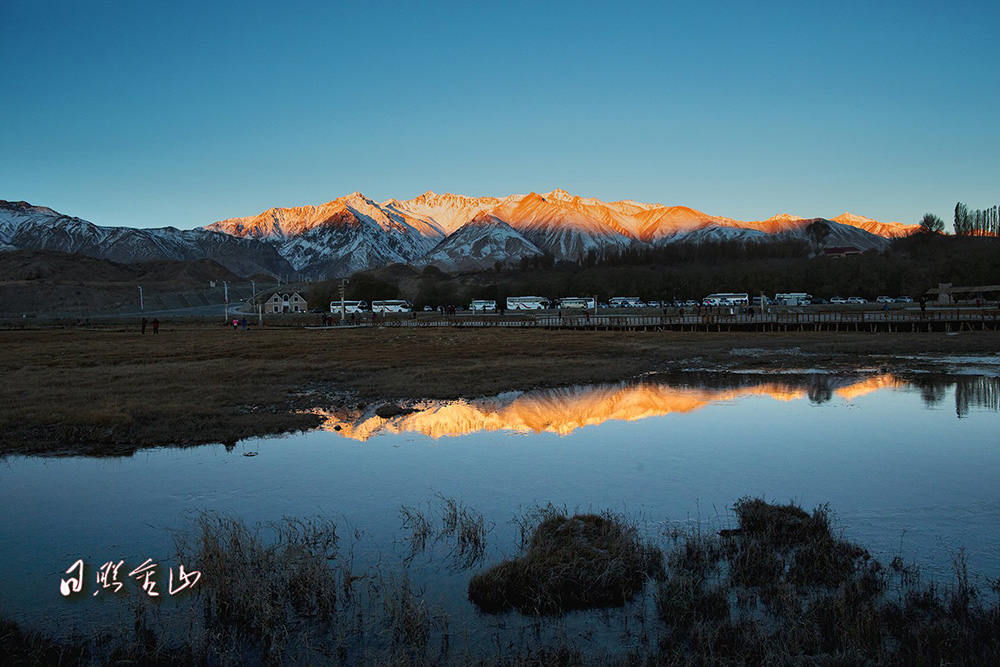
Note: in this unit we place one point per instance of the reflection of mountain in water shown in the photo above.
(564, 410)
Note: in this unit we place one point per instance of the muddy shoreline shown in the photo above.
(111, 392)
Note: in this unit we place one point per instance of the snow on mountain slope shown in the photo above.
(348, 234)
(479, 244)
(567, 230)
(886, 229)
(715, 233)
(446, 212)
(27, 227)
(284, 223)
(656, 224)
(348, 241)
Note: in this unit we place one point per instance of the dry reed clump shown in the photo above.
(784, 544)
(257, 587)
(411, 623)
(687, 597)
(462, 529)
(26, 647)
(571, 562)
(782, 588)
(465, 530)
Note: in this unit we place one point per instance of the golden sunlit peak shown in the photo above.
(560, 194)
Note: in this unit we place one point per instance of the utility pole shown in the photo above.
(142, 308)
(225, 287)
(343, 307)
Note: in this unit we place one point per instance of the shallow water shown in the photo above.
(909, 465)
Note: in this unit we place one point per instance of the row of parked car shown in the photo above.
(767, 301)
(857, 300)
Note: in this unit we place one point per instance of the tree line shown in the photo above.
(908, 267)
(980, 222)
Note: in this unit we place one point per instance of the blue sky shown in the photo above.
(151, 114)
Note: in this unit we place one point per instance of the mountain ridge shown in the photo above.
(354, 232)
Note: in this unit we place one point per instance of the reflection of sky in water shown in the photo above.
(883, 460)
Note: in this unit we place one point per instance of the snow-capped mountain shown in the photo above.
(27, 227)
(454, 232)
(337, 238)
(479, 244)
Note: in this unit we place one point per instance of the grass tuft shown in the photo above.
(571, 562)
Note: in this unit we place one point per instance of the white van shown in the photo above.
(793, 299)
(578, 302)
(482, 306)
(349, 306)
(625, 302)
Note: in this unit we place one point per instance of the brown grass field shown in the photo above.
(112, 391)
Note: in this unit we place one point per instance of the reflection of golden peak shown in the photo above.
(857, 389)
(565, 410)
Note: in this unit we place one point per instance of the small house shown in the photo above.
(286, 303)
(841, 251)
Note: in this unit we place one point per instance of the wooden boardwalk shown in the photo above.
(909, 321)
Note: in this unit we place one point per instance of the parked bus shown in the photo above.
(625, 302)
(527, 303)
(392, 306)
(482, 305)
(727, 299)
(349, 306)
(581, 302)
(793, 299)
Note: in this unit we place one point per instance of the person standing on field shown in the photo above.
(143, 326)
(156, 326)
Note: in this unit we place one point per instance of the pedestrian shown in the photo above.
(244, 323)
(236, 324)
(156, 326)
(682, 312)
(586, 315)
(143, 326)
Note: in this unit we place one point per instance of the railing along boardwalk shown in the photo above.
(943, 320)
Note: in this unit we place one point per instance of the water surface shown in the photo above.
(909, 464)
